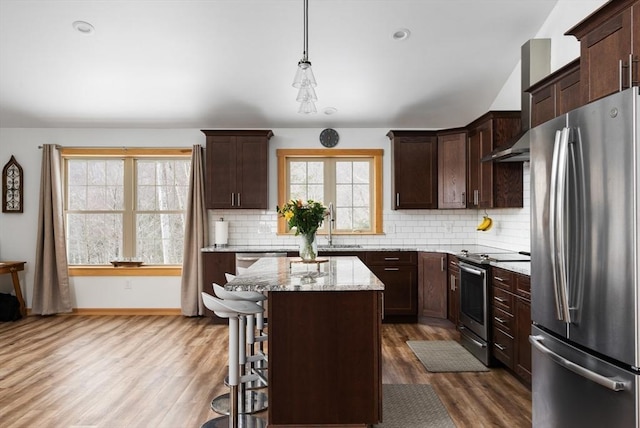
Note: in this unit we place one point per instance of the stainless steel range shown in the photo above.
(496, 257)
(475, 298)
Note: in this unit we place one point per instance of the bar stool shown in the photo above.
(260, 325)
(233, 310)
(248, 401)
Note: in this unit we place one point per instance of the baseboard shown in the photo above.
(121, 311)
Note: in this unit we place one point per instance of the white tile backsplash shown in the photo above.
(404, 227)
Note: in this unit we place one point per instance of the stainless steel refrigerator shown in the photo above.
(585, 273)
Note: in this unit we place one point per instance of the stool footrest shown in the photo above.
(244, 421)
(256, 358)
(253, 402)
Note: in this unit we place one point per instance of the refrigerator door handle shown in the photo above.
(562, 237)
(556, 222)
(612, 384)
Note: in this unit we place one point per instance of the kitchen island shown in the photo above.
(324, 340)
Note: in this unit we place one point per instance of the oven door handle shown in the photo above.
(471, 270)
(480, 344)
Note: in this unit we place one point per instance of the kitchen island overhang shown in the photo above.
(324, 326)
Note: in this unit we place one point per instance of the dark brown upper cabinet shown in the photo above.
(414, 159)
(237, 169)
(609, 49)
(493, 184)
(452, 168)
(556, 94)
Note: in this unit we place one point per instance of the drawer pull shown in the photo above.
(391, 259)
(391, 269)
(497, 278)
(500, 347)
(499, 299)
(500, 320)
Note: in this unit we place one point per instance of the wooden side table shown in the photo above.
(13, 268)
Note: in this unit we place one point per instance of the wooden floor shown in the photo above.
(162, 371)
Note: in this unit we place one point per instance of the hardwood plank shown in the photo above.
(163, 371)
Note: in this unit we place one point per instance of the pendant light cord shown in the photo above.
(305, 48)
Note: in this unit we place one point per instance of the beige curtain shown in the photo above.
(51, 293)
(196, 236)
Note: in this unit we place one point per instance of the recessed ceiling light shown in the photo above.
(401, 34)
(83, 27)
(330, 110)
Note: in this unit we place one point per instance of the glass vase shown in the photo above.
(308, 246)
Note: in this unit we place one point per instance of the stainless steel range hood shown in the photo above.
(517, 151)
(535, 64)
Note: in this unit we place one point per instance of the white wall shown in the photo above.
(564, 49)
(18, 231)
(513, 224)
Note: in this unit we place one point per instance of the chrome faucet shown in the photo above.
(331, 223)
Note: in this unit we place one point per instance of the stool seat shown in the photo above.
(252, 296)
(230, 307)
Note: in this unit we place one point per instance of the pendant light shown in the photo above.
(304, 80)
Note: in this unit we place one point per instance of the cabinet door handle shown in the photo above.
(397, 199)
(476, 197)
(441, 264)
(500, 347)
(391, 259)
(239, 199)
(464, 196)
(391, 269)
(629, 67)
(499, 299)
(233, 199)
(453, 283)
(500, 320)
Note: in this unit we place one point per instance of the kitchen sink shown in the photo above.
(327, 246)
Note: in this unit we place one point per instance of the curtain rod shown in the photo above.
(58, 146)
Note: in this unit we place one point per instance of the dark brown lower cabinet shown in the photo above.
(511, 319)
(453, 291)
(216, 264)
(522, 365)
(325, 359)
(398, 271)
(432, 290)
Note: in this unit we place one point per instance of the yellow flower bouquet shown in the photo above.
(305, 218)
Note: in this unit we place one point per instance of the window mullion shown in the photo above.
(128, 221)
(330, 186)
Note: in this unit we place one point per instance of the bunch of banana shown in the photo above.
(485, 224)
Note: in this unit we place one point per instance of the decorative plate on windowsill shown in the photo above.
(126, 263)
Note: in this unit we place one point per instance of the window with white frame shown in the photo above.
(128, 205)
(348, 179)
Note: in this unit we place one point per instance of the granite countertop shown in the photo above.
(282, 274)
(519, 267)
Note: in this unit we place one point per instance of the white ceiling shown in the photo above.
(230, 63)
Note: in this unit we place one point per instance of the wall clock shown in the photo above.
(12, 184)
(329, 137)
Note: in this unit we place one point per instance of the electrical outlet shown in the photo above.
(127, 284)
